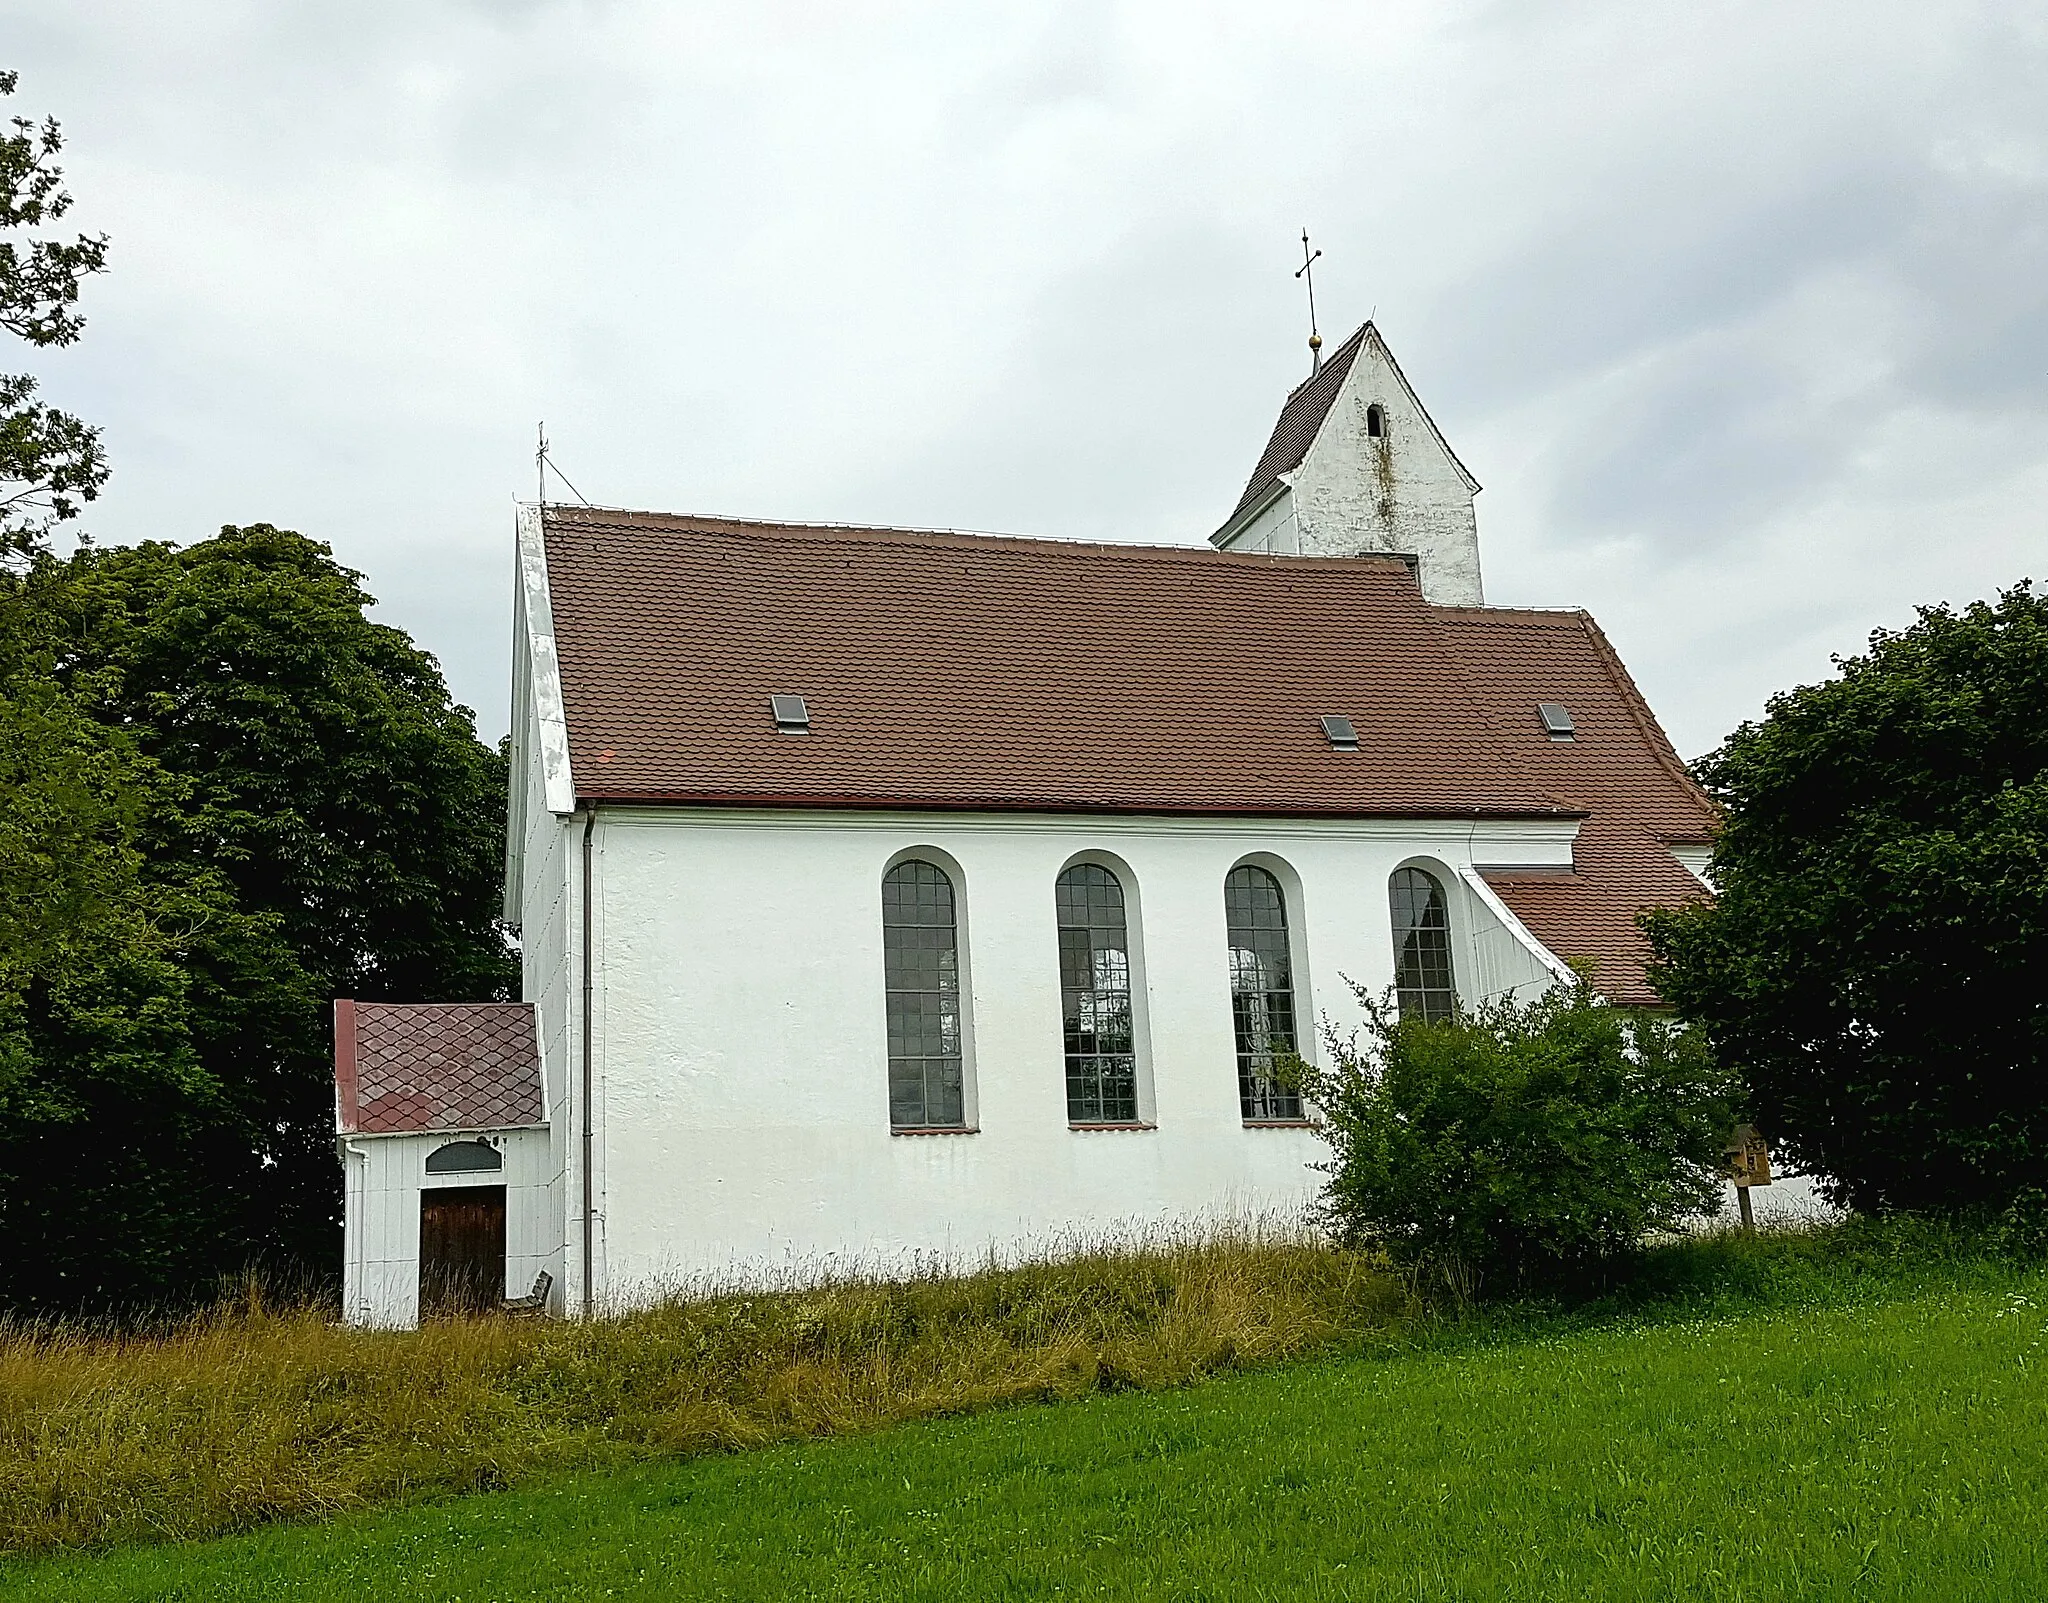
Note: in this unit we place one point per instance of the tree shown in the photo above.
(305, 814)
(1880, 926)
(105, 1105)
(50, 462)
(1523, 1143)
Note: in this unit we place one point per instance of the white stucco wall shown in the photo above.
(1401, 492)
(383, 1176)
(741, 1064)
(1272, 529)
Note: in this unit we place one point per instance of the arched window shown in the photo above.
(1261, 991)
(1095, 997)
(921, 972)
(1376, 421)
(464, 1157)
(1422, 946)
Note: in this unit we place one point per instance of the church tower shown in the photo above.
(1356, 466)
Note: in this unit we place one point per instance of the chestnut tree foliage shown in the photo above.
(1875, 959)
(229, 798)
(50, 462)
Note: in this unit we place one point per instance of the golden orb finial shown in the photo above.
(1315, 342)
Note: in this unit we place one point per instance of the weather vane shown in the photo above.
(1306, 271)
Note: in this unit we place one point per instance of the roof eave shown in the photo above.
(441, 1130)
(625, 797)
(558, 782)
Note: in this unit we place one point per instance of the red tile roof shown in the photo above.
(1620, 770)
(974, 671)
(406, 1067)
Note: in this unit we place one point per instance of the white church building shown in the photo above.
(894, 897)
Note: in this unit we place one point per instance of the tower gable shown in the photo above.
(1356, 465)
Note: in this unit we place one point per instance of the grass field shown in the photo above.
(1805, 1427)
(248, 1415)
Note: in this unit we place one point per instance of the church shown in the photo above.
(898, 898)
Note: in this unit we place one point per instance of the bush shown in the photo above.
(1521, 1145)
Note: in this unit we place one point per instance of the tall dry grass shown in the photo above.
(252, 1413)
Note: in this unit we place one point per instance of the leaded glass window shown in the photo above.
(1261, 991)
(1423, 983)
(1095, 997)
(921, 971)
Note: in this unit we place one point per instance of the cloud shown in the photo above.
(1736, 310)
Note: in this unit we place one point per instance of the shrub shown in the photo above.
(1522, 1144)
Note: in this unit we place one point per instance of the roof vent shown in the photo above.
(1557, 723)
(792, 717)
(1342, 736)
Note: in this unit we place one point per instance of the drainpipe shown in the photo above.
(589, 1187)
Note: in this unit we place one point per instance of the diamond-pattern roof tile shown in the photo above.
(408, 1067)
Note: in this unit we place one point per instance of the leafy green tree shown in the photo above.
(104, 1100)
(293, 810)
(50, 462)
(1874, 954)
(1521, 1144)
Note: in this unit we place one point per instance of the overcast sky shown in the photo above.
(1738, 311)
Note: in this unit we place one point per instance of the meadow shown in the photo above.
(1855, 1413)
(250, 1413)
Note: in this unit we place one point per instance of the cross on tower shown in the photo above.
(1307, 271)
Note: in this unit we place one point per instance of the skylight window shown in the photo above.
(792, 716)
(1343, 737)
(1557, 723)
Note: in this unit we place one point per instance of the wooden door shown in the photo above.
(462, 1249)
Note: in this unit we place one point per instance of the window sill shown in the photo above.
(934, 1129)
(1281, 1124)
(1133, 1125)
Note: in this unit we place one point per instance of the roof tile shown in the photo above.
(405, 1067)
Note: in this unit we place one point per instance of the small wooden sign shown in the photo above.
(1749, 1157)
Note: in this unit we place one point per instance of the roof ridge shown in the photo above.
(565, 512)
(1488, 612)
(1147, 550)
(1343, 347)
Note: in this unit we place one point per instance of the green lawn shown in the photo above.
(1883, 1447)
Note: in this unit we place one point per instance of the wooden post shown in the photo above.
(1749, 1164)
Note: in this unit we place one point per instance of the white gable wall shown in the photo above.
(740, 1057)
(1401, 492)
